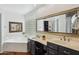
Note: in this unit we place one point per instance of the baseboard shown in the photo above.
(15, 53)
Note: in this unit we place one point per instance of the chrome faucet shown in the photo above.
(64, 38)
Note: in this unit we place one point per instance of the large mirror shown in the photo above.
(66, 23)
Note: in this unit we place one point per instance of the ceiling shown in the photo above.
(44, 10)
(19, 8)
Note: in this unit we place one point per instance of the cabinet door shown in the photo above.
(51, 51)
(29, 47)
(39, 48)
(32, 47)
(53, 46)
(67, 51)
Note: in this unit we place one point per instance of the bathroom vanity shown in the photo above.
(59, 33)
(53, 47)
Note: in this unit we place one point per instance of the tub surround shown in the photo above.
(16, 40)
(15, 47)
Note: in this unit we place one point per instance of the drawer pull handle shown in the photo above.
(66, 52)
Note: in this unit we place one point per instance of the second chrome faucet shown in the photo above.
(65, 39)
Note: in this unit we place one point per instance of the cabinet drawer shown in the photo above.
(51, 51)
(75, 52)
(68, 51)
(65, 50)
(53, 46)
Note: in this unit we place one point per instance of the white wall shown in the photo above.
(5, 18)
(30, 23)
(12, 17)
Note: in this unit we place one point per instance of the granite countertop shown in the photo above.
(40, 40)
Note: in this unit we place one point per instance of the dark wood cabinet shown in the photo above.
(36, 48)
(52, 46)
(51, 51)
(31, 46)
(40, 49)
(54, 49)
(67, 51)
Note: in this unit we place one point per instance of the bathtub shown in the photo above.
(15, 45)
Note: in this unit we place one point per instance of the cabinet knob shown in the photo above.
(66, 52)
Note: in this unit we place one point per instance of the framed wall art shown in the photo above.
(15, 27)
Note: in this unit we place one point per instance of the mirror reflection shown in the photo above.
(66, 23)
